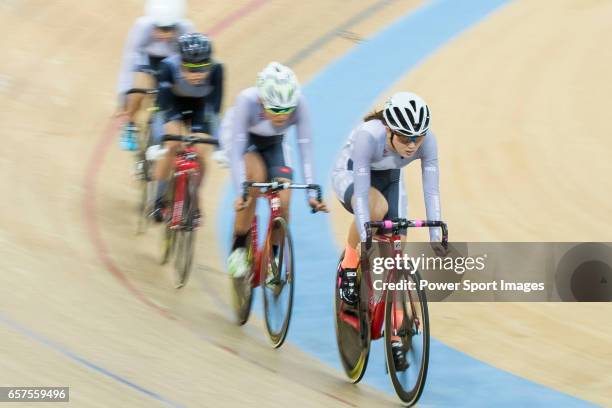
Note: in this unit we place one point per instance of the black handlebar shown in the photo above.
(142, 91)
(398, 224)
(189, 139)
(278, 186)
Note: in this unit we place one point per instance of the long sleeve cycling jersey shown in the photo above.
(367, 150)
(248, 119)
(141, 44)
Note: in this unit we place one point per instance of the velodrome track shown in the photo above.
(520, 111)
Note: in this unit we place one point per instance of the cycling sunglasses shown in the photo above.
(167, 28)
(199, 67)
(408, 139)
(279, 111)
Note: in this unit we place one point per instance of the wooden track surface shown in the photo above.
(520, 108)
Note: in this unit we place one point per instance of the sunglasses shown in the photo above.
(279, 111)
(167, 28)
(408, 139)
(200, 67)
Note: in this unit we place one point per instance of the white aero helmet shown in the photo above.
(278, 87)
(407, 113)
(165, 13)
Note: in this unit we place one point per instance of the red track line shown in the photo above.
(235, 16)
(89, 209)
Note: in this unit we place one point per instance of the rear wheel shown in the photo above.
(170, 235)
(168, 244)
(278, 280)
(352, 330)
(407, 324)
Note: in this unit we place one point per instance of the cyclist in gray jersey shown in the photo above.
(367, 175)
(253, 131)
(152, 38)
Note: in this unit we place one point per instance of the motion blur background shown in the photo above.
(519, 92)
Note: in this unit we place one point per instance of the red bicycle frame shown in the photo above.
(186, 165)
(275, 211)
(376, 307)
(376, 304)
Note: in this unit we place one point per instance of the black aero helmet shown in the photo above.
(194, 48)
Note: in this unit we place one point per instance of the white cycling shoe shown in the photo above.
(237, 263)
(220, 156)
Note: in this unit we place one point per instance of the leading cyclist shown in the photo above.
(367, 176)
(253, 131)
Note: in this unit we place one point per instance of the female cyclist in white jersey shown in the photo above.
(253, 132)
(367, 175)
(152, 38)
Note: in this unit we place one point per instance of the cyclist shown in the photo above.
(190, 93)
(152, 38)
(367, 178)
(367, 175)
(254, 131)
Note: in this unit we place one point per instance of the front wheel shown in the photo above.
(352, 330)
(407, 336)
(278, 281)
(185, 239)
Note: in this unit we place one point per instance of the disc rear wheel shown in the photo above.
(352, 330)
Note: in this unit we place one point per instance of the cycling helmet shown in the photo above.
(165, 13)
(407, 114)
(195, 48)
(278, 87)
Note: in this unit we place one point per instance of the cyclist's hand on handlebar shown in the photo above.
(317, 205)
(240, 204)
(439, 249)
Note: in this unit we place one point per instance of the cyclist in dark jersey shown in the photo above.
(189, 99)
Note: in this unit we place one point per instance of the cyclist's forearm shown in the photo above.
(362, 160)
(431, 195)
(304, 141)
(237, 161)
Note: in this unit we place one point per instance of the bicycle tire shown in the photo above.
(148, 185)
(273, 290)
(183, 260)
(353, 344)
(242, 287)
(412, 339)
(169, 240)
(168, 245)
